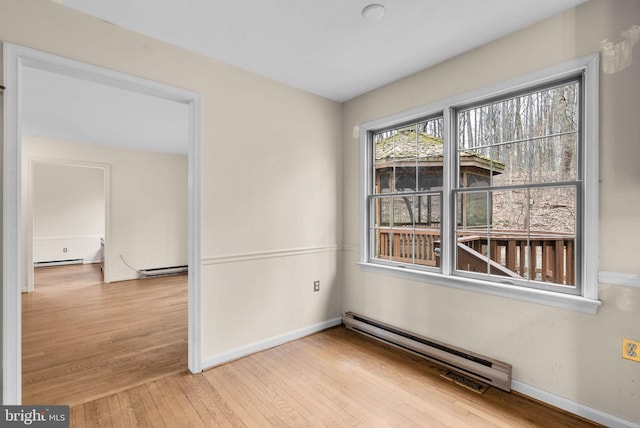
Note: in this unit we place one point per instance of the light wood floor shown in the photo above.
(334, 378)
(83, 339)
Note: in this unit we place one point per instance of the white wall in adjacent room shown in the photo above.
(68, 212)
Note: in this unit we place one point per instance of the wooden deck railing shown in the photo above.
(542, 256)
(424, 253)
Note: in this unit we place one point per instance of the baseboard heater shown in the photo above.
(164, 271)
(481, 368)
(59, 262)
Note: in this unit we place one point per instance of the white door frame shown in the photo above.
(15, 58)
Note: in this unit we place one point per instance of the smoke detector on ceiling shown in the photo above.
(373, 12)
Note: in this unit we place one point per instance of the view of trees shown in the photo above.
(525, 140)
(533, 140)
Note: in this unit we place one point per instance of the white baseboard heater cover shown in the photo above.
(173, 270)
(477, 366)
(59, 262)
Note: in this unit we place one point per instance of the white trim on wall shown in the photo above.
(571, 406)
(15, 58)
(194, 245)
(48, 238)
(243, 257)
(262, 345)
(11, 230)
(619, 278)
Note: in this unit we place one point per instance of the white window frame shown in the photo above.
(587, 301)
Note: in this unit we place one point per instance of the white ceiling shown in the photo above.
(322, 46)
(325, 46)
(58, 106)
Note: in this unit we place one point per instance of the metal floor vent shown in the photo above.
(465, 381)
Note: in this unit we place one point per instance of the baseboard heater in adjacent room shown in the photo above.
(59, 262)
(164, 271)
(481, 368)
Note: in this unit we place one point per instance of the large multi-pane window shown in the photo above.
(499, 189)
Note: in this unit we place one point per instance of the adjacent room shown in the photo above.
(105, 211)
(404, 213)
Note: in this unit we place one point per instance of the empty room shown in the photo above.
(404, 213)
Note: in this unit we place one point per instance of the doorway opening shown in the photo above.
(15, 60)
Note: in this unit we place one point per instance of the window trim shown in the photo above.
(587, 301)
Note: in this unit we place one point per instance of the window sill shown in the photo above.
(542, 297)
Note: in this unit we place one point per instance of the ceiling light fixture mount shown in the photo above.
(373, 12)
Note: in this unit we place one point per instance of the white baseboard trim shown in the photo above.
(571, 406)
(252, 348)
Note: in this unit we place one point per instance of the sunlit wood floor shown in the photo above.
(335, 378)
(83, 339)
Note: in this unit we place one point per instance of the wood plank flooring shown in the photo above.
(87, 357)
(335, 378)
(83, 339)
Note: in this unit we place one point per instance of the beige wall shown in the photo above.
(68, 200)
(271, 175)
(68, 212)
(570, 354)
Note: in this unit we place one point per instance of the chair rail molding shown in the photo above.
(619, 278)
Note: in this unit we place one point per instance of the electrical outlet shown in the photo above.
(316, 285)
(631, 350)
(64, 250)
